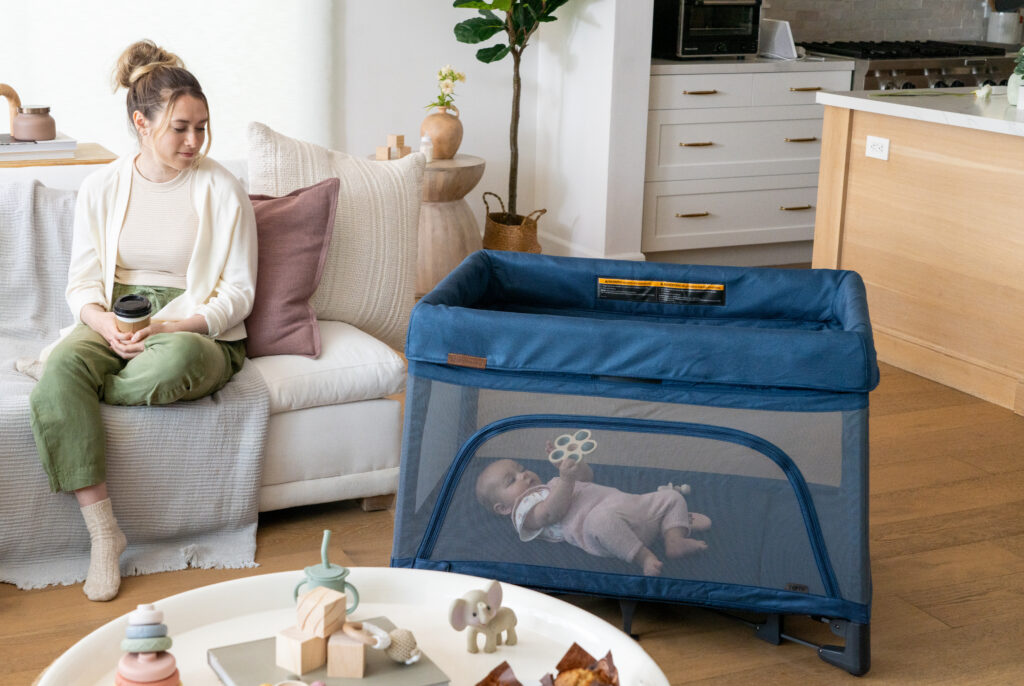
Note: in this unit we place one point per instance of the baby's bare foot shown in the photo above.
(649, 561)
(677, 544)
(699, 522)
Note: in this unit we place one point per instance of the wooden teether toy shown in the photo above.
(571, 446)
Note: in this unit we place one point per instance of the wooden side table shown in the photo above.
(448, 230)
(85, 153)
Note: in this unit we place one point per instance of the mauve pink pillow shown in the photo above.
(294, 232)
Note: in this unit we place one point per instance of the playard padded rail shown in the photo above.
(788, 329)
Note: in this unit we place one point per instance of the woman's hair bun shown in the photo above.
(139, 59)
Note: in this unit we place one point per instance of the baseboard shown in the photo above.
(555, 245)
(996, 386)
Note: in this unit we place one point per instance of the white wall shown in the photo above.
(343, 74)
(388, 53)
(591, 120)
(61, 53)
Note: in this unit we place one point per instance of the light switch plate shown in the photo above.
(877, 147)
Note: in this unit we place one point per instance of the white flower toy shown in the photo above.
(571, 446)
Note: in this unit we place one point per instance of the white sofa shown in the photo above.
(333, 433)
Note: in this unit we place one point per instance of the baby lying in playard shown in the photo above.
(601, 520)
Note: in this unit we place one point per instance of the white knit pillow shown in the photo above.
(370, 274)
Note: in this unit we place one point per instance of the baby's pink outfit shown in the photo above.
(603, 520)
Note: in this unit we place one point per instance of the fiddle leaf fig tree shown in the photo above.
(517, 20)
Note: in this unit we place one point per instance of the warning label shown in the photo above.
(665, 292)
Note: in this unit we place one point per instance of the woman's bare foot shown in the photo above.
(649, 561)
(677, 544)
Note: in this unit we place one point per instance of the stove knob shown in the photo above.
(988, 82)
(958, 84)
(889, 86)
(940, 84)
(907, 85)
(1003, 82)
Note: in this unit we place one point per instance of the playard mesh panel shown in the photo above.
(760, 533)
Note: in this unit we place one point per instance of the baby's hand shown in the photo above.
(571, 469)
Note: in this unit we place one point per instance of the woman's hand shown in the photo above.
(105, 324)
(129, 345)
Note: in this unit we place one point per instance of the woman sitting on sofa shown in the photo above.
(174, 226)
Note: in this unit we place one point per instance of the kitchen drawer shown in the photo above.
(689, 91)
(797, 87)
(683, 215)
(734, 142)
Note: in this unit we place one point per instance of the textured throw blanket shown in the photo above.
(183, 478)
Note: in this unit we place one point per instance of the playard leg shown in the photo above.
(855, 656)
(770, 629)
(628, 608)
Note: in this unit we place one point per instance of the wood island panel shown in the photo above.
(936, 232)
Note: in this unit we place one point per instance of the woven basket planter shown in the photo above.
(510, 232)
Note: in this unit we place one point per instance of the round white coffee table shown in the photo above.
(259, 606)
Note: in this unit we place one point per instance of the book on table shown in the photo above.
(60, 147)
(254, 662)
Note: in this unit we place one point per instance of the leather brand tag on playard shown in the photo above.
(664, 292)
(467, 361)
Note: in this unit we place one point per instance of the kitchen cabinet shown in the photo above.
(933, 226)
(732, 156)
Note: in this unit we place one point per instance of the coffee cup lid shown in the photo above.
(132, 305)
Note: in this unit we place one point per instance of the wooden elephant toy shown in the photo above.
(481, 612)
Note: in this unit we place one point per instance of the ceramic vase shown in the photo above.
(1013, 88)
(445, 131)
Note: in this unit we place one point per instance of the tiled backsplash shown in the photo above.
(881, 19)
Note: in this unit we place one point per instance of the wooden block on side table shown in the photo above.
(346, 657)
(298, 651)
(383, 152)
(320, 612)
(395, 140)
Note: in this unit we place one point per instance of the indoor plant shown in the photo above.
(518, 20)
(1013, 83)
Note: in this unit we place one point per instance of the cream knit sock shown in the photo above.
(108, 543)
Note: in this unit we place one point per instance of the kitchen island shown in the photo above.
(923, 195)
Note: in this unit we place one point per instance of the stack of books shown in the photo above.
(59, 148)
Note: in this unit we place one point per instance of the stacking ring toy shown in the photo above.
(572, 446)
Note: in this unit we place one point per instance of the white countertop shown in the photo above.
(661, 66)
(965, 110)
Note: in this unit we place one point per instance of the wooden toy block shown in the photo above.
(395, 140)
(320, 612)
(383, 152)
(299, 652)
(404, 150)
(346, 657)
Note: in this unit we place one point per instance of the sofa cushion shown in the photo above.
(353, 365)
(370, 273)
(293, 232)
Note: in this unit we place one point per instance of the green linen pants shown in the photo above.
(83, 370)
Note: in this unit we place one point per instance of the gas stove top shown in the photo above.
(899, 50)
(888, 65)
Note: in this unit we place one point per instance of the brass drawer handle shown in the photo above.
(811, 139)
(804, 89)
(692, 214)
(710, 92)
(795, 208)
(696, 145)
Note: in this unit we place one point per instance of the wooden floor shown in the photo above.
(947, 546)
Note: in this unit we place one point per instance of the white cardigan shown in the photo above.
(220, 281)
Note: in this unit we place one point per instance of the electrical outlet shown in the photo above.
(877, 147)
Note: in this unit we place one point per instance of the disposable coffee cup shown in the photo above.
(132, 312)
